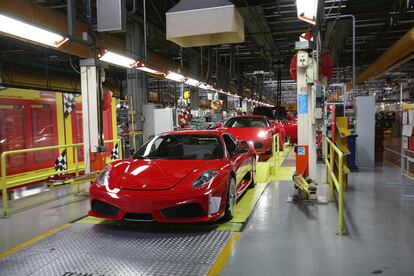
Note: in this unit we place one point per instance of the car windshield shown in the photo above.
(181, 146)
(247, 122)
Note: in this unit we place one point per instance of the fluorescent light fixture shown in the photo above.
(307, 10)
(192, 82)
(175, 77)
(117, 59)
(149, 70)
(141, 66)
(204, 86)
(26, 31)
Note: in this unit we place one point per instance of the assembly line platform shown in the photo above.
(82, 249)
(98, 247)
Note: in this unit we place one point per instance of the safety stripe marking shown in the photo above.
(32, 241)
(225, 254)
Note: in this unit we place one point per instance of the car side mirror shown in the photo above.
(240, 150)
(244, 144)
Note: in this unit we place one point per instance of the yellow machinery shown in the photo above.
(304, 188)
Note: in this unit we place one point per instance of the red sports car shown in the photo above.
(257, 130)
(291, 128)
(181, 176)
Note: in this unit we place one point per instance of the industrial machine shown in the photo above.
(157, 120)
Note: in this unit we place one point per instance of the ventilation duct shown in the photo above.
(193, 23)
(399, 50)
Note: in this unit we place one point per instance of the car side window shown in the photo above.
(231, 144)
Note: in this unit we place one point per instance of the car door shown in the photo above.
(237, 160)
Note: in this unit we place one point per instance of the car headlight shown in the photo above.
(205, 178)
(103, 176)
(262, 134)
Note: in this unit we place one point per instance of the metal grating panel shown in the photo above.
(105, 250)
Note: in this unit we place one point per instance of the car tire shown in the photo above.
(231, 200)
(253, 172)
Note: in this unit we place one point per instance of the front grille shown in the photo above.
(139, 216)
(190, 210)
(105, 209)
(258, 145)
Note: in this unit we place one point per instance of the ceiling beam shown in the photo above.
(56, 21)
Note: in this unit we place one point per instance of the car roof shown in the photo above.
(216, 132)
(250, 116)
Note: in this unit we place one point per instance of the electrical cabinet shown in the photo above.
(157, 120)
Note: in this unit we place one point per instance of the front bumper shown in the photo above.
(160, 206)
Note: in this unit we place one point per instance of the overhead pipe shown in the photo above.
(71, 10)
(399, 50)
(232, 63)
(209, 64)
(395, 65)
(134, 7)
(145, 29)
(353, 42)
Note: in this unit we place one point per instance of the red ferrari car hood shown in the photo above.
(249, 133)
(155, 174)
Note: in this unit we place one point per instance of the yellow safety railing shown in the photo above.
(276, 145)
(134, 139)
(6, 182)
(276, 151)
(335, 177)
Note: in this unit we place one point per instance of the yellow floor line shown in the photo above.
(224, 255)
(32, 241)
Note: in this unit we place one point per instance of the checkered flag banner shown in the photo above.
(115, 152)
(68, 103)
(61, 163)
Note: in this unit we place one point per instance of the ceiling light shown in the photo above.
(204, 86)
(175, 77)
(141, 66)
(307, 10)
(192, 82)
(29, 32)
(149, 70)
(117, 59)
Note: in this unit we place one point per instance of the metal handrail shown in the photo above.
(333, 179)
(5, 184)
(276, 151)
(276, 148)
(134, 136)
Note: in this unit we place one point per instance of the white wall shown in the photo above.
(365, 128)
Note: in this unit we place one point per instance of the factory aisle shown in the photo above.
(298, 239)
(34, 222)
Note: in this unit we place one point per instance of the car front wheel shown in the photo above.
(231, 200)
(253, 174)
